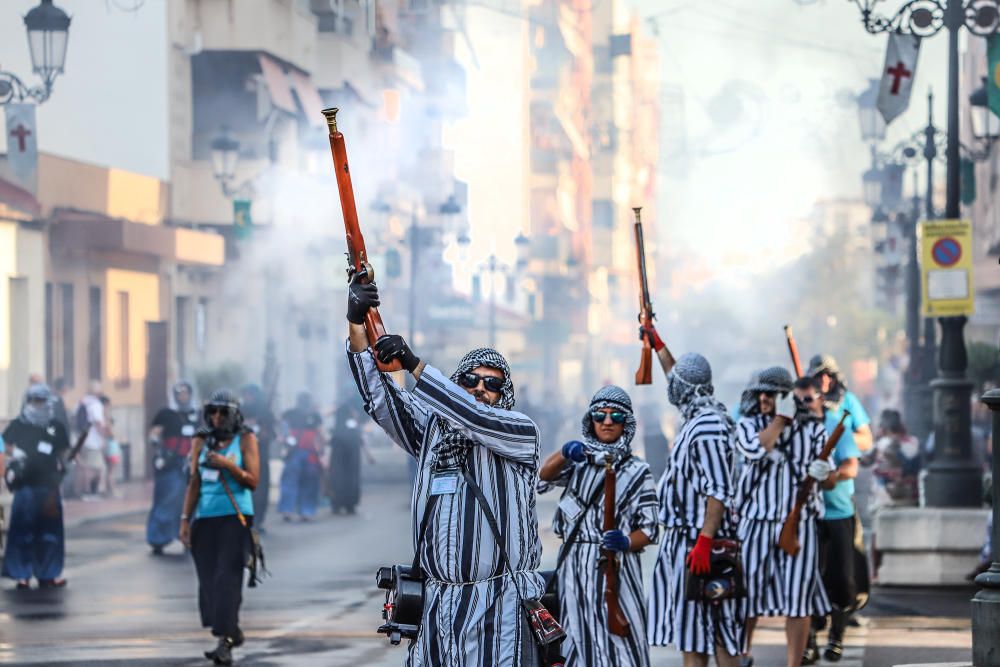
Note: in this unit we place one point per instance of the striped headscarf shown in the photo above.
(453, 447)
(610, 396)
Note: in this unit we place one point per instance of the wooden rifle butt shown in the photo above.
(617, 622)
(788, 540)
(644, 375)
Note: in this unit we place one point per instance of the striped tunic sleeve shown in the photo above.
(506, 433)
(400, 414)
(644, 506)
(748, 438)
(712, 463)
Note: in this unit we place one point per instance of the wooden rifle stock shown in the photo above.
(356, 253)
(793, 349)
(644, 375)
(788, 540)
(617, 623)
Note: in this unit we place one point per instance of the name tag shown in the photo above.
(444, 485)
(44, 447)
(187, 430)
(570, 506)
(291, 440)
(210, 474)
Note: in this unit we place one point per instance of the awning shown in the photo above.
(84, 230)
(312, 103)
(277, 83)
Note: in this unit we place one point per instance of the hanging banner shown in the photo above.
(897, 75)
(946, 267)
(22, 146)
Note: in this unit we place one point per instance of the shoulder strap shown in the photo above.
(490, 519)
(222, 478)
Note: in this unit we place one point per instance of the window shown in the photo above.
(200, 324)
(94, 334)
(50, 339)
(123, 336)
(68, 325)
(180, 334)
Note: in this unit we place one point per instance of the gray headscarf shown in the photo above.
(824, 363)
(454, 446)
(689, 388)
(774, 378)
(37, 415)
(610, 396)
(176, 389)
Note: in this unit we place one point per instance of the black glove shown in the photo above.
(360, 297)
(392, 346)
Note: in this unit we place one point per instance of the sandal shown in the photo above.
(52, 583)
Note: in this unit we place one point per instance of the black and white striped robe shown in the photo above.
(699, 467)
(472, 611)
(779, 584)
(581, 582)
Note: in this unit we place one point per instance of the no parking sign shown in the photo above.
(946, 267)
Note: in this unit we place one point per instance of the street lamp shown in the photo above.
(48, 35)
(872, 182)
(225, 154)
(984, 122)
(952, 479)
(869, 117)
(493, 267)
(522, 244)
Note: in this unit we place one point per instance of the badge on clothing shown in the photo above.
(570, 506)
(187, 430)
(444, 484)
(44, 447)
(210, 474)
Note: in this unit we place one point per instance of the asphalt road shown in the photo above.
(320, 606)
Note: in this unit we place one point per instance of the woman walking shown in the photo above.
(224, 469)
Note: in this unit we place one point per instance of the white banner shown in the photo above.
(22, 146)
(897, 75)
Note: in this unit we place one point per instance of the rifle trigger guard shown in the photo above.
(367, 268)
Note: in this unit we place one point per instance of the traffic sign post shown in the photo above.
(946, 268)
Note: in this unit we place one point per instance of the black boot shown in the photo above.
(835, 646)
(223, 653)
(811, 654)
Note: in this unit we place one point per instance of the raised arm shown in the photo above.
(400, 414)
(505, 432)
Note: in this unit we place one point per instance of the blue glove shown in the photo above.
(574, 451)
(615, 540)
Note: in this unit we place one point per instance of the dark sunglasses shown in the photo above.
(599, 416)
(216, 410)
(471, 381)
(807, 399)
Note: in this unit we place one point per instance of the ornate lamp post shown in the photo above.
(225, 156)
(986, 603)
(48, 34)
(952, 479)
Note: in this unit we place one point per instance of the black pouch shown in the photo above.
(725, 579)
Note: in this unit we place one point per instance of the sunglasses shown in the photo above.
(216, 410)
(807, 399)
(599, 416)
(471, 381)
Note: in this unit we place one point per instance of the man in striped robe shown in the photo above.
(608, 429)
(472, 604)
(695, 494)
(780, 440)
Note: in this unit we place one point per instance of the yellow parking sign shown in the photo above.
(946, 267)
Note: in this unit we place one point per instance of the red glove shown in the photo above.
(654, 338)
(699, 561)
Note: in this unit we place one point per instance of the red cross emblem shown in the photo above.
(898, 72)
(20, 132)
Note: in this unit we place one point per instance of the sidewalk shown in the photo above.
(135, 497)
